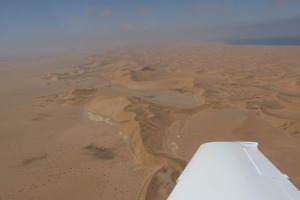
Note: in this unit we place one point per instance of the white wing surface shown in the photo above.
(232, 171)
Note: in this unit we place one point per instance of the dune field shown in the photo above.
(123, 123)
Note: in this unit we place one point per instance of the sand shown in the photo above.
(123, 124)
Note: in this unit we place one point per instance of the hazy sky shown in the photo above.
(34, 26)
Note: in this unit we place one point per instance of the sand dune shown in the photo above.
(124, 123)
(144, 129)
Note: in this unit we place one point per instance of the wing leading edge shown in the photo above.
(232, 171)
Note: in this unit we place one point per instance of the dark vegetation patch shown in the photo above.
(40, 116)
(83, 92)
(35, 158)
(180, 90)
(148, 69)
(149, 96)
(294, 133)
(101, 152)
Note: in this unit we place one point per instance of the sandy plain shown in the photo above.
(123, 124)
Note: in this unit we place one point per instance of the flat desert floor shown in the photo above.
(123, 124)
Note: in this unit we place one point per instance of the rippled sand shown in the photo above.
(124, 123)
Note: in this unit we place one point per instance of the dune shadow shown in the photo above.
(34, 158)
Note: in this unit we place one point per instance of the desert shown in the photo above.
(122, 123)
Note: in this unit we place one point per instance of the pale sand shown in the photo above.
(123, 124)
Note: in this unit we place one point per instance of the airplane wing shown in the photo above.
(232, 171)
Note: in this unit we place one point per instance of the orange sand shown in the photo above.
(123, 124)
